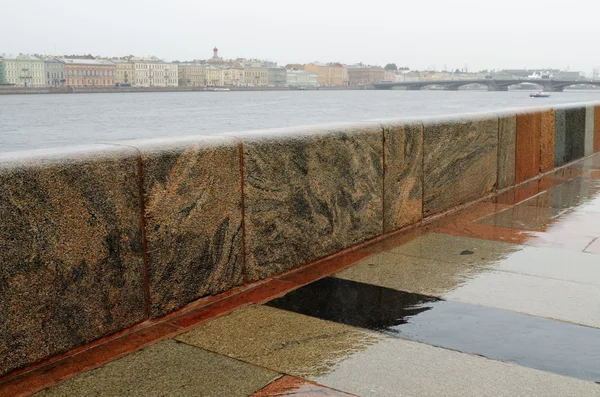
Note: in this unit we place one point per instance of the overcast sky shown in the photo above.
(419, 34)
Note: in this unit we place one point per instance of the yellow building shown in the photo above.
(192, 75)
(124, 72)
(214, 76)
(330, 74)
(233, 76)
(256, 75)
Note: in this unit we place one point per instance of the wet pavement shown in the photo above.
(501, 299)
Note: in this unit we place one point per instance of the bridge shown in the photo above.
(492, 84)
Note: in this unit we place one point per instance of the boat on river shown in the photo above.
(539, 95)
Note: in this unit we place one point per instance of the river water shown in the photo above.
(43, 121)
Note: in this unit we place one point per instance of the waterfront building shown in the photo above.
(214, 76)
(364, 74)
(154, 72)
(191, 74)
(24, 70)
(301, 78)
(256, 75)
(2, 72)
(54, 72)
(276, 77)
(331, 74)
(124, 71)
(233, 76)
(89, 72)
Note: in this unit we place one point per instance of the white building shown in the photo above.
(24, 70)
(153, 72)
(301, 78)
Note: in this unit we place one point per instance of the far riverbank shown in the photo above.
(109, 90)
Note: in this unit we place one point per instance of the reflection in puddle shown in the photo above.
(534, 342)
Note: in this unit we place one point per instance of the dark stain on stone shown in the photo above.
(534, 342)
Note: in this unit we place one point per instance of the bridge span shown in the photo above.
(492, 84)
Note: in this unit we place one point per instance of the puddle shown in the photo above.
(529, 341)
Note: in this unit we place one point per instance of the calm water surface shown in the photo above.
(41, 121)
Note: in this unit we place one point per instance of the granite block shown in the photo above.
(597, 129)
(547, 135)
(507, 131)
(527, 155)
(460, 161)
(559, 137)
(403, 175)
(71, 251)
(193, 216)
(309, 193)
(574, 133)
(589, 130)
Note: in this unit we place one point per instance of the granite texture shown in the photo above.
(460, 161)
(167, 368)
(193, 216)
(527, 155)
(310, 193)
(281, 340)
(71, 251)
(574, 133)
(597, 129)
(589, 130)
(507, 131)
(560, 137)
(403, 175)
(547, 136)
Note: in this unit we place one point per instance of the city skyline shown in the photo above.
(439, 33)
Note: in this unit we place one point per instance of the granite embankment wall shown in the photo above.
(96, 239)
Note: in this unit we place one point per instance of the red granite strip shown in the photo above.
(58, 371)
(291, 386)
(259, 294)
(323, 268)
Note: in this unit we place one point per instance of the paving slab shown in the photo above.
(280, 340)
(539, 343)
(168, 368)
(558, 299)
(396, 367)
(383, 366)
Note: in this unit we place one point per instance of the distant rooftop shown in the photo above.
(102, 62)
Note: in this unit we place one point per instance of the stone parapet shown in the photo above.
(96, 239)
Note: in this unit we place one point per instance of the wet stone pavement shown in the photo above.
(501, 299)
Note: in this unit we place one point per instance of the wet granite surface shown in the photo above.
(193, 215)
(310, 194)
(547, 136)
(460, 161)
(168, 368)
(527, 157)
(403, 176)
(280, 340)
(507, 130)
(589, 130)
(492, 333)
(71, 252)
(560, 137)
(574, 133)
